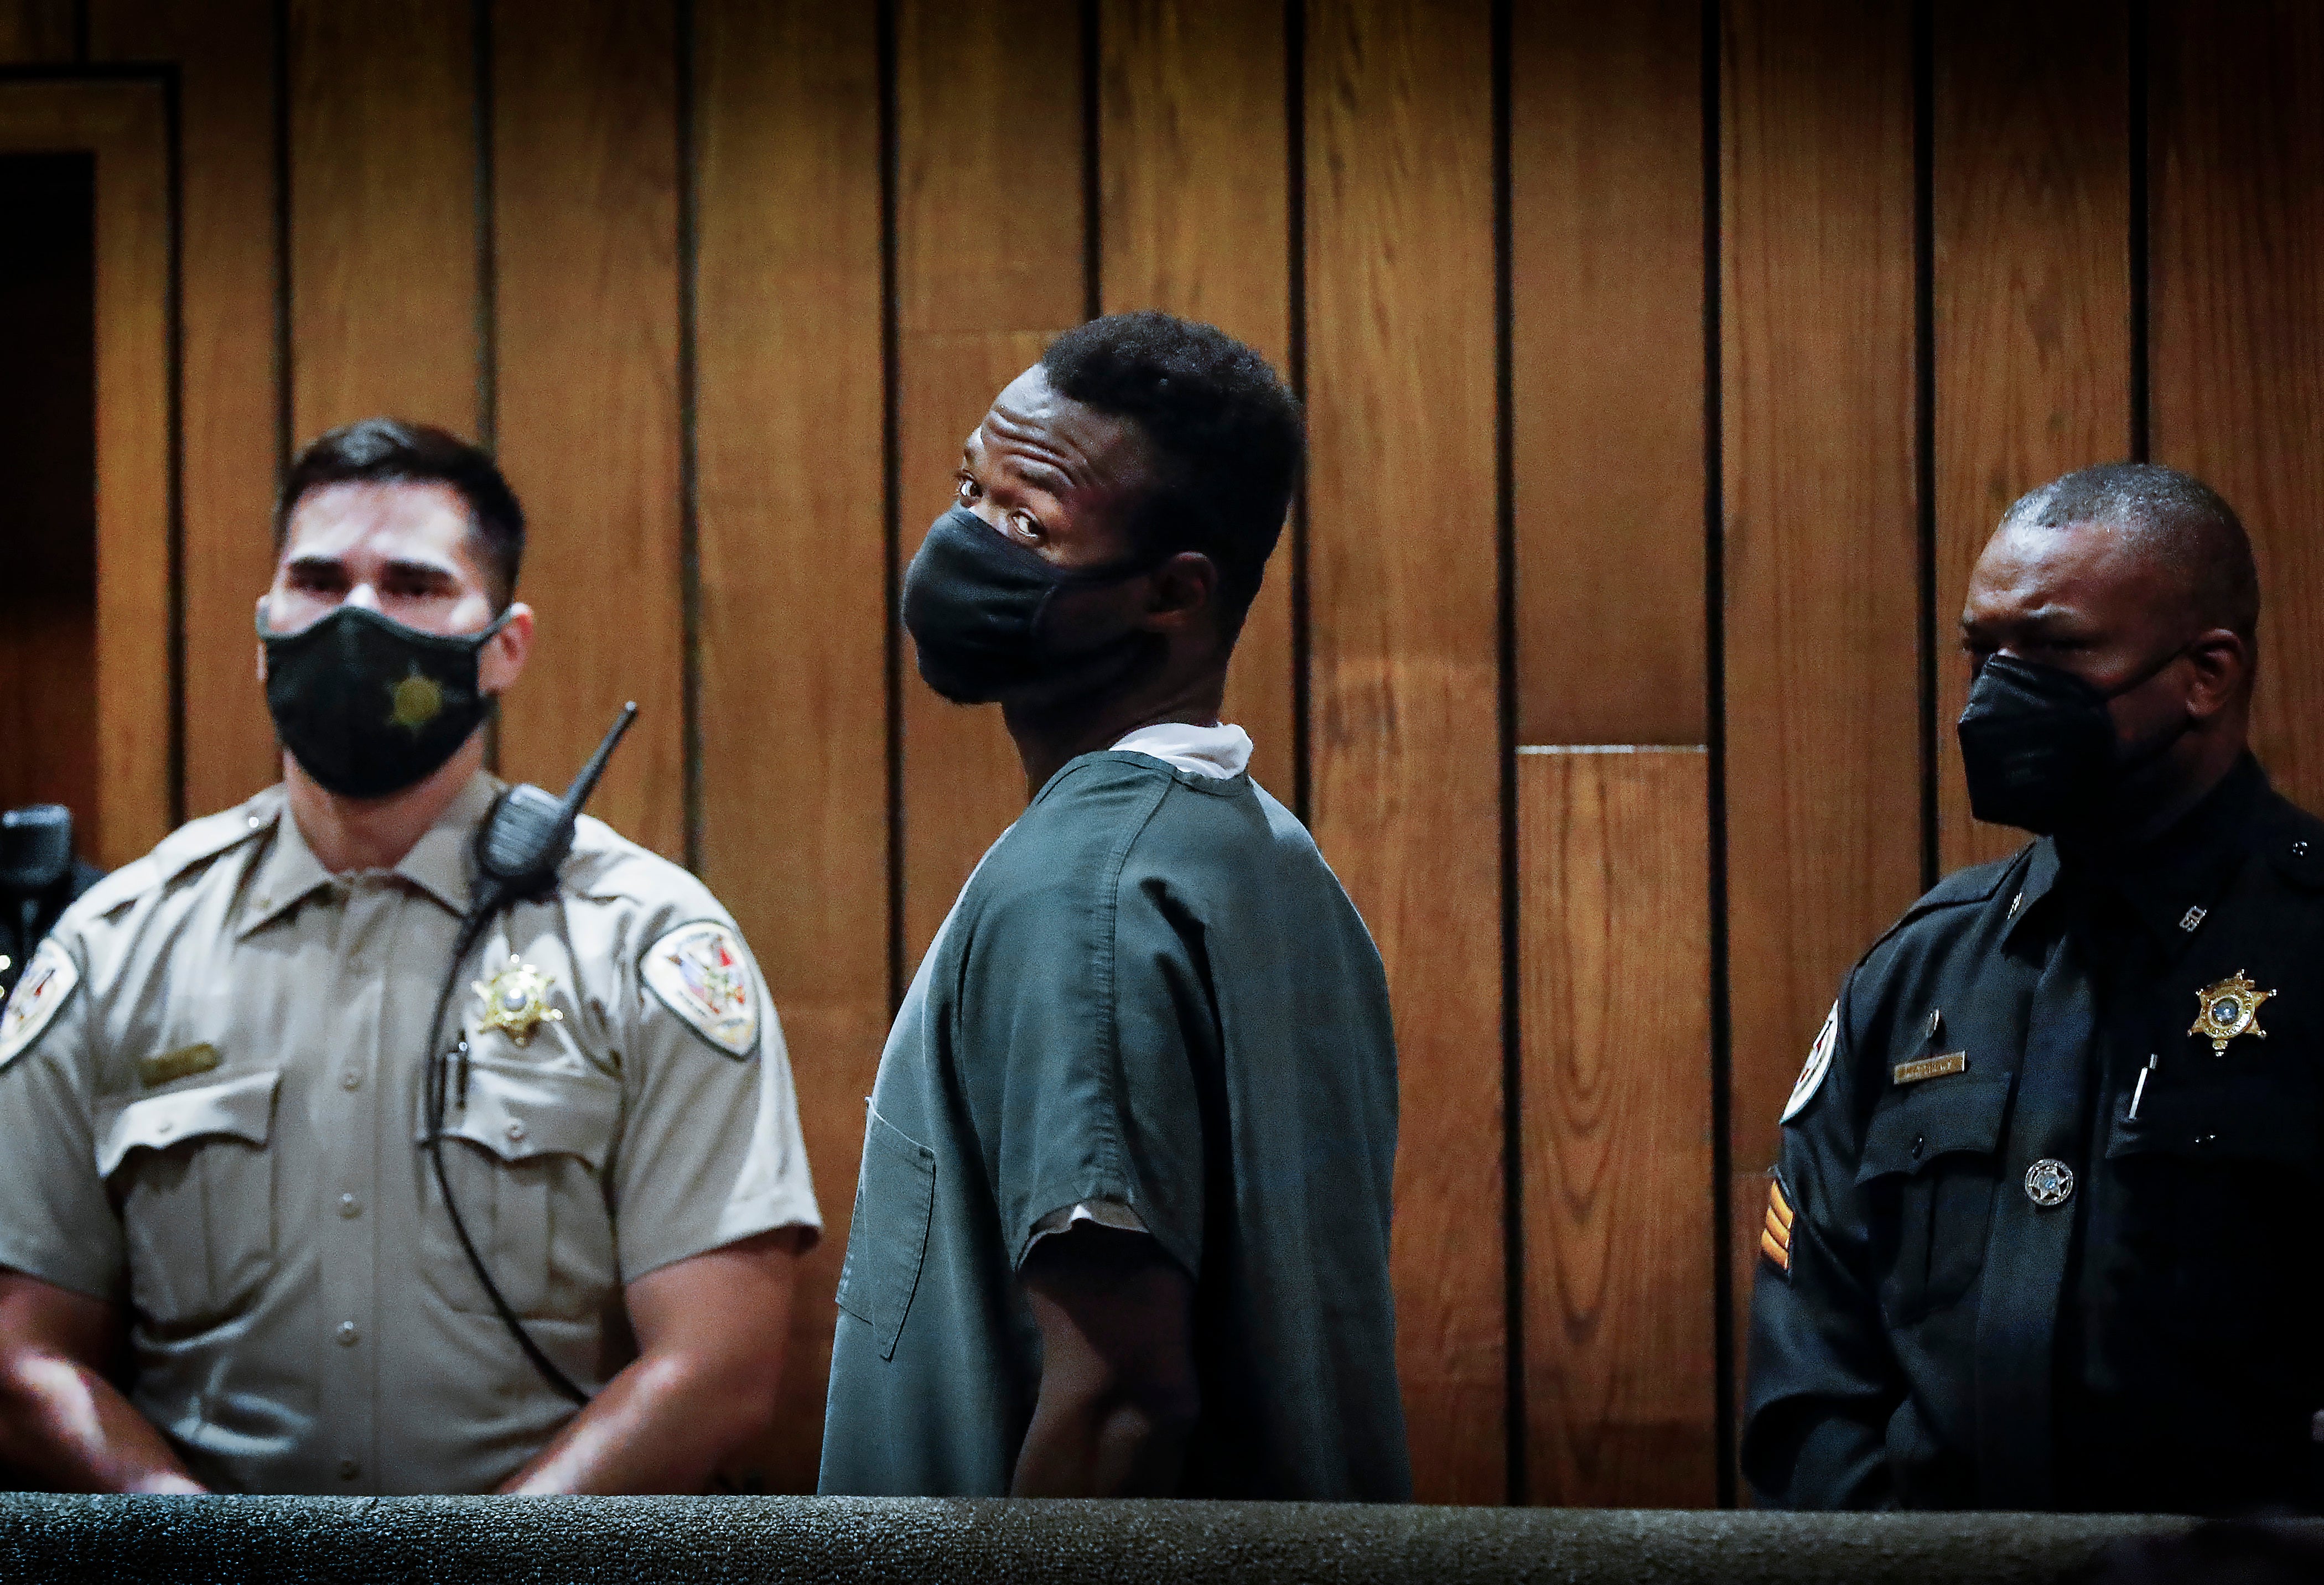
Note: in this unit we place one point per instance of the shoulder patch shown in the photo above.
(47, 985)
(1819, 1063)
(701, 972)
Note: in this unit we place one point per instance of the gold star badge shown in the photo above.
(415, 701)
(2229, 1008)
(516, 1001)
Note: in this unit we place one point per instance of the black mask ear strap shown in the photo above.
(2146, 754)
(2149, 674)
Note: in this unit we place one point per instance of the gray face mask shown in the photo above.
(369, 706)
(976, 603)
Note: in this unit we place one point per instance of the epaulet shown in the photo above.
(605, 866)
(2293, 841)
(1962, 889)
(191, 844)
(1976, 884)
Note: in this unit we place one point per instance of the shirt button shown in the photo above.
(350, 1206)
(2298, 850)
(516, 1131)
(349, 1469)
(1920, 1143)
(351, 1079)
(348, 1333)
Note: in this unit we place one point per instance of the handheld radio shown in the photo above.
(518, 849)
(36, 881)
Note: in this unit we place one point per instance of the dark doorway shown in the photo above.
(47, 483)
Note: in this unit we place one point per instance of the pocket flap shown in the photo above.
(519, 1115)
(239, 1107)
(1940, 1117)
(2241, 1120)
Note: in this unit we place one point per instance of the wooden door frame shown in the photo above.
(124, 122)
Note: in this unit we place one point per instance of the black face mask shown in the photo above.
(2038, 745)
(975, 601)
(369, 706)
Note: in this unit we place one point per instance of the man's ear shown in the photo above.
(1183, 591)
(506, 651)
(2221, 660)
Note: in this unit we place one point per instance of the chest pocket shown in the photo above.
(1931, 1154)
(2218, 1179)
(888, 1237)
(526, 1157)
(191, 1176)
(2247, 1122)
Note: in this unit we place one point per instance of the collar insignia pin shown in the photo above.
(2229, 1008)
(2191, 919)
(516, 1001)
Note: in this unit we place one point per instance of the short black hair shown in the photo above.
(390, 451)
(2174, 515)
(1226, 431)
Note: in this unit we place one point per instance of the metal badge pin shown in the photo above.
(2138, 1092)
(2229, 1008)
(2049, 1183)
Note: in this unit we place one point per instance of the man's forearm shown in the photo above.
(69, 1429)
(662, 1425)
(1085, 1445)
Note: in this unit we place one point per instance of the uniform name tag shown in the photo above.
(182, 1064)
(1931, 1067)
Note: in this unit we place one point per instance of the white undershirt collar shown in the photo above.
(1221, 751)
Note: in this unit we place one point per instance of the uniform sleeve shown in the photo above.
(1087, 1015)
(1822, 1381)
(710, 1150)
(56, 1222)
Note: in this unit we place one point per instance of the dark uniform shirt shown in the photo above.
(1992, 1282)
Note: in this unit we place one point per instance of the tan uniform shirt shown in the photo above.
(210, 1108)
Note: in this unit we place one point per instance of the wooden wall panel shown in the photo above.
(1614, 949)
(584, 187)
(1407, 768)
(35, 32)
(1195, 161)
(988, 248)
(384, 299)
(2031, 209)
(224, 54)
(1823, 604)
(124, 124)
(2238, 322)
(2030, 123)
(1607, 352)
(793, 582)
